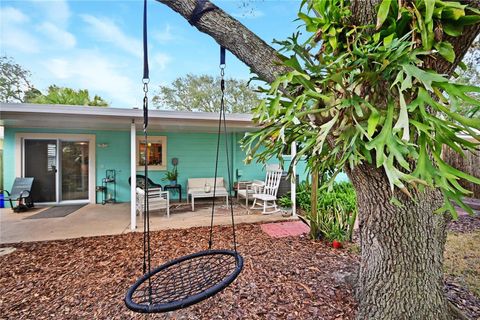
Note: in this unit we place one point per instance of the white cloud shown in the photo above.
(165, 35)
(14, 35)
(99, 74)
(106, 30)
(60, 37)
(56, 11)
(161, 60)
(59, 68)
(9, 15)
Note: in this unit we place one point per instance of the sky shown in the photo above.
(97, 45)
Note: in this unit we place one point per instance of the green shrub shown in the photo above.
(337, 210)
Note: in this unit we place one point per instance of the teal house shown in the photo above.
(72, 151)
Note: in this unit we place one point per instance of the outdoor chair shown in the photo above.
(157, 200)
(141, 182)
(245, 190)
(21, 193)
(266, 192)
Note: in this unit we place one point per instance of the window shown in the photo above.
(156, 153)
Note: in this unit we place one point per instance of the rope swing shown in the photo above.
(190, 279)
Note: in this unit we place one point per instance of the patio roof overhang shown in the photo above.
(21, 115)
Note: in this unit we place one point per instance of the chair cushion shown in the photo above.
(201, 182)
(202, 190)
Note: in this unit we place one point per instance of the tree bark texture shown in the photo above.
(401, 271)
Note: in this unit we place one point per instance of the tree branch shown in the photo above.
(230, 33)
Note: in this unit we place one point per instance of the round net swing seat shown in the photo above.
(184, 281)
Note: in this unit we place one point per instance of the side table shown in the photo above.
(177, 187)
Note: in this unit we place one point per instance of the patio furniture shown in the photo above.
(21, 193)
(109, 180)
(177, 187)
(203, 188)
(266, 192)
(157, 200)
(245, 190)
(140, 179)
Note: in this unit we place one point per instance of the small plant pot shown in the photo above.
(173, 182)
(336, 244)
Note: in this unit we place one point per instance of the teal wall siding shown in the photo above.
(115, 156)
(8, 160)
(256, 170)
(195, 152)
(196, 157)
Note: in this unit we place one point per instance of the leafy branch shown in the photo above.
(364, 95)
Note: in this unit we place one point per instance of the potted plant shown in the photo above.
(171, 176)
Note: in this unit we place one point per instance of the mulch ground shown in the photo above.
(465, 223)
(454, 288)
(283, 278)
(87, 278)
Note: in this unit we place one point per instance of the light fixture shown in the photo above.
(102, 145)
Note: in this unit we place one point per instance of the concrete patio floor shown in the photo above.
(111, 219)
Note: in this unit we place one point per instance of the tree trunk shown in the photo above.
(401, 270)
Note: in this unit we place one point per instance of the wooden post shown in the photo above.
(313, 201)
(293, 181)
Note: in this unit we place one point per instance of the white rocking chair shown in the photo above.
(266, 192)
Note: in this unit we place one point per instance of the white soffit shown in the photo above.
(108, 118)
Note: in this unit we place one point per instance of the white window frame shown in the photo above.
(153, 139)
(19, 158)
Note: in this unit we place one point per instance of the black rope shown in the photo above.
(222, 116)
(146, 209)
(210, 242)
(199, 11)
(145, 43)
(229, 171)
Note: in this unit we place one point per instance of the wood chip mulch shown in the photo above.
(463, 299)
(283, 278)
(465, 223)
(87, 278)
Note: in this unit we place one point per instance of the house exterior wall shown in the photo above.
(195, 152)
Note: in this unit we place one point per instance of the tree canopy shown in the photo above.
(202, 93)
(62, 95)
(15, 86)
(15, 82)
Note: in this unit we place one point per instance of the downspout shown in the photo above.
(133, 174)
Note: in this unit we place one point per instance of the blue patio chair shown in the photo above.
(21, 193)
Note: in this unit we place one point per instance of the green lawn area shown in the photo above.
(462, 259)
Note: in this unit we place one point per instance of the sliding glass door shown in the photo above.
(60, 169)
(74, 170)
(41, 163)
